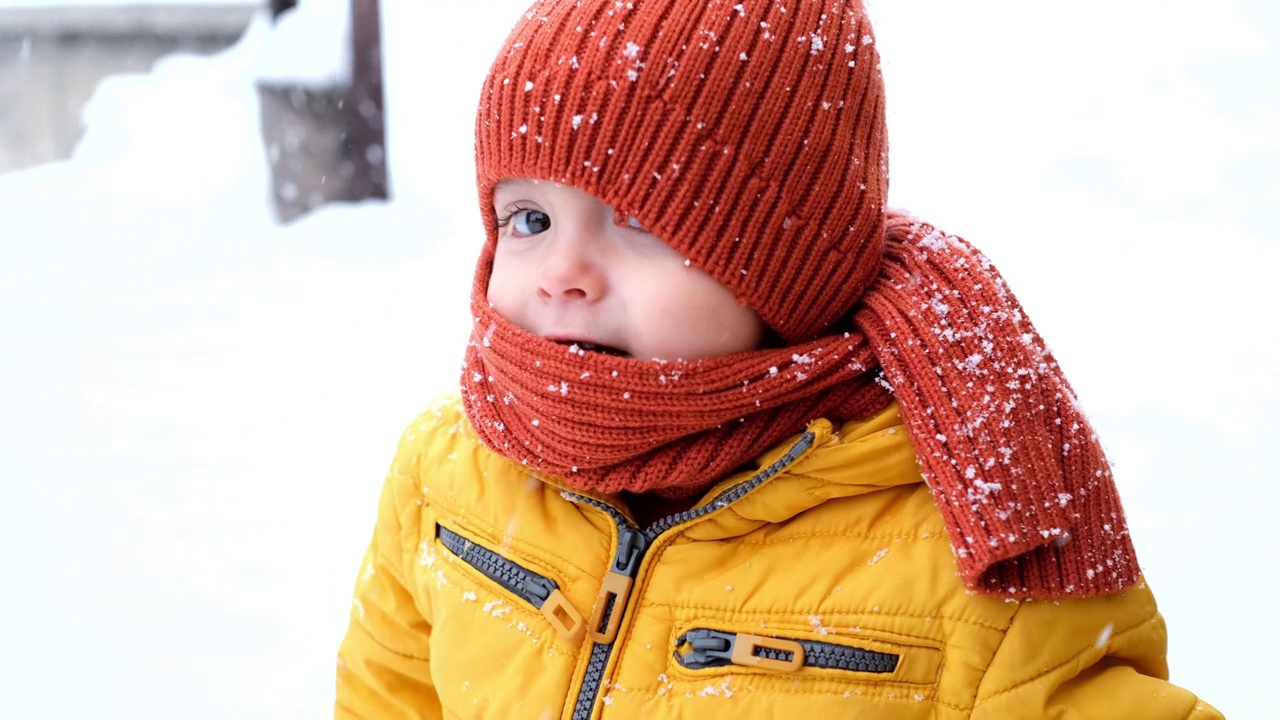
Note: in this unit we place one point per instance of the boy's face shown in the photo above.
(563, 269)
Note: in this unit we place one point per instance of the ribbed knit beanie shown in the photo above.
(748, 135)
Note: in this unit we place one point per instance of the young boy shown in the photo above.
(733, 439)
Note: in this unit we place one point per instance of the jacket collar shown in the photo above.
(802, 472)
(857, 458)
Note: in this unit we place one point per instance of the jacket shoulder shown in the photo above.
(435, 437)
(429, 447)
(442, 422)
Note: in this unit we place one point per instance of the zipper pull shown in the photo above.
(556, 608)
(745, 652)
(606, 614)
(712, 648)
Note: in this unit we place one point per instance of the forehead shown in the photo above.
(524, 183)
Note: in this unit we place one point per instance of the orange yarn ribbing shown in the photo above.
(752, 140)
(723, 126)
(1018, 473)
(673, 428)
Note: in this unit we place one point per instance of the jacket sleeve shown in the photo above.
(384, 661)
(1098, 657)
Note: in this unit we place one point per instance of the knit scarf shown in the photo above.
(1020, 478)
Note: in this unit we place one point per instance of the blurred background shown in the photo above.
(321, 100)
(236, 241)
(55, 53)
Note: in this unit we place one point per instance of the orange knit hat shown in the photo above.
(749, 136)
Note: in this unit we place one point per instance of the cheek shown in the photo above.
(743, 329)
(706, 314)
(503, 287)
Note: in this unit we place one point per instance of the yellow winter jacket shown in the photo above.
(818, 585)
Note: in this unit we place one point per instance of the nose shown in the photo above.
(571, 269)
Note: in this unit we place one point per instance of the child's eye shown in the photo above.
(634, 223)
(526, 222)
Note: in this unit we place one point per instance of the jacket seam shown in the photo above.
(407, 558)
(807, 483)
(1132, 628)
(393, 651)
(1195, 706)
(755, 613)
(402, 528)
(977, 687)
(348, 709)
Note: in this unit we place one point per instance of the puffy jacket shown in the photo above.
(818, 585)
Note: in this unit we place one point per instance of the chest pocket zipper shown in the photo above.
(704, 648)
(538, 590)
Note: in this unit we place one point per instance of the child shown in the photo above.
(734, 439)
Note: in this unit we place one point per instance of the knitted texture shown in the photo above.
(1018, 473)
(712, 119)
(612, 424)
(750, 137)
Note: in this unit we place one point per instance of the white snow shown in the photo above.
(310, 45)
(197, 406)
(1104, 637)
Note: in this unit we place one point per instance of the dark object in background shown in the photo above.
(326, 144)
(278, 7)
(364, 104)
(307, 141)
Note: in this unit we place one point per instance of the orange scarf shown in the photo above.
(1017, 472)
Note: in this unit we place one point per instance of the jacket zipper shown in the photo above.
(538, 590)
(633, 543)
(713, 648)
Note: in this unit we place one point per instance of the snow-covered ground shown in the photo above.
(197, 405)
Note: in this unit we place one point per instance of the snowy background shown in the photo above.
(197, 405)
